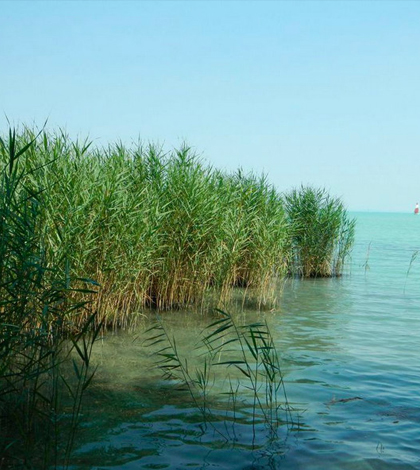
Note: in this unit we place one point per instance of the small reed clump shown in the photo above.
(321, 234)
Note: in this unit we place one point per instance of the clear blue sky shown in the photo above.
(324, 93)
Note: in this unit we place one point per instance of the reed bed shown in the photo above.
(38, 333)
(90, 236)
(321, 233)
(163, 229)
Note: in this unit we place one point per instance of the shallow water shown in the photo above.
(350, 356)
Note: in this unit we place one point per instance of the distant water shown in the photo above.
(350, 350)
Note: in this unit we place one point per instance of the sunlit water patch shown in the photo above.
(350, 357)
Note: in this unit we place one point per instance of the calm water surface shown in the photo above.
(350, 351)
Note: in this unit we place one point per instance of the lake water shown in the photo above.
(350, 357)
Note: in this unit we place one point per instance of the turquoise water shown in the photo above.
(350, 356)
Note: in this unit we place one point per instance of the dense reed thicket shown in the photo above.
(162, 229)
(37, 328)
(251, 373)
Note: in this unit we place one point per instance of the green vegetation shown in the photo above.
(38, 338)
(413, 258)
(321, 232)
(255, 379)
(153, 229)
(163, 230)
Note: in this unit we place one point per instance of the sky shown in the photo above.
(321, 93)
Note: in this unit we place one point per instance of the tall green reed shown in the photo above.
(163, 229)
(413, 258)
(37, 325)
(321, 233)
(153, 228)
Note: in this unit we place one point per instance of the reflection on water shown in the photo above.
(350, 352)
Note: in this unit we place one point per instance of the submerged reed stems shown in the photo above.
(247, 349)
